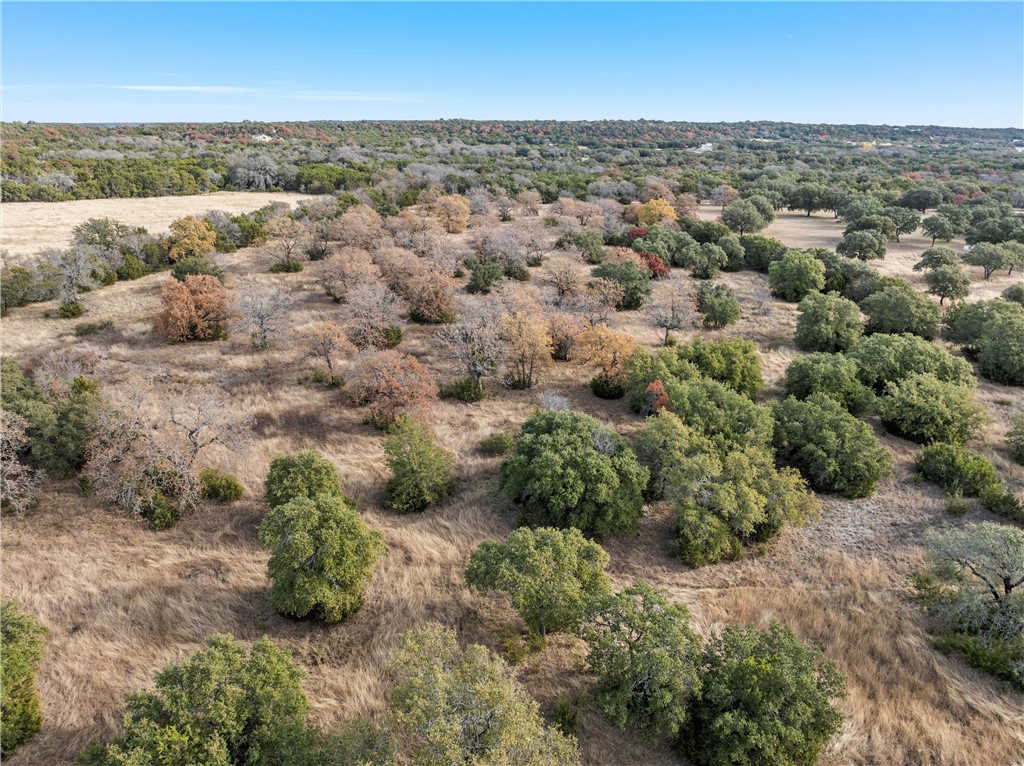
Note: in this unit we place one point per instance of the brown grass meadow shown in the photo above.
(120, 601)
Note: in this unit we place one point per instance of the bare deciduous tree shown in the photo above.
(473, 342)
(360, 226)
(414, 232)
(724, 195)
(148, 446)
(349, 267)
(326, 342)
(479, 200)
(372, 309)
(583, 212)
(287, 237)
(565, 329)
(524, 331)
(17, 480)
(672, 307)
(564, 276)
(389, 383)
(66, 273)
(530, 201)
(202, 416)
(597, 302)
(505, 205)
(261, 313)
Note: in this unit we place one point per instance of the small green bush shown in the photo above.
(965, 323)
(483, 276)
(833, 375)
(219, 486)
(591, 244)
(21, 646)
(956, 504)
(464, 389)
(1002, 501)
(1015, 437)
(322, 557)
(827, 323)
(223, 705)
(569, 471)
(392, 336)
(728, 418)
(833, 450)
(88, 329)
(1001, 352)
(286, 267)
(717, 305)
(553, 577)
(605, 387)
(707, 260)
(956, 468)
(500, 443)
(16, 284)
(764, 698)
(1014, 294)
(635, 282)
(924, 409)
(796, 275)
(305, 474)
(732, 361)
(760, 252)
(883, 359)
(737, 497)
(70, 310)
(646, 658)
(901, 309)
(132, 268)
(196, 266)
(421, 472)
(161, 512)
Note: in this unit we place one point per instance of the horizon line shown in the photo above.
(113, 123)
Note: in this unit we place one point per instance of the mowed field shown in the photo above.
(28, 227)
(120, 601)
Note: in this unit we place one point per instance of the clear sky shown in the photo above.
(959, 64)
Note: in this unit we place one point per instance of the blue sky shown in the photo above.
(915, 63)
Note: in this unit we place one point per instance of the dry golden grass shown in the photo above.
(28, 227)
(120, 601)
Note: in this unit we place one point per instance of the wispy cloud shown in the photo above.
(186, 88)
(354, 95)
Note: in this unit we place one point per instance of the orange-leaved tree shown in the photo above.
(191, 237)
(655, 210)
(608, 350)
(197, 308)
(389, 384)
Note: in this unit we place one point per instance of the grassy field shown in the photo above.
(27, 227)
(120, 600)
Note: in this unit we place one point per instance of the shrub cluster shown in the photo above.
(322, 552)
(924, 409)
(744, 696)
(567, 470)
(833, 450)
(833, 375)
(219, 486)
(421, 472)
(972, 591)
(21, 646)
(827, 323)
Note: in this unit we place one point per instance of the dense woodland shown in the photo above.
(495, 416)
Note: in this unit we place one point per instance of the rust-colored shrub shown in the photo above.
(197, 308)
